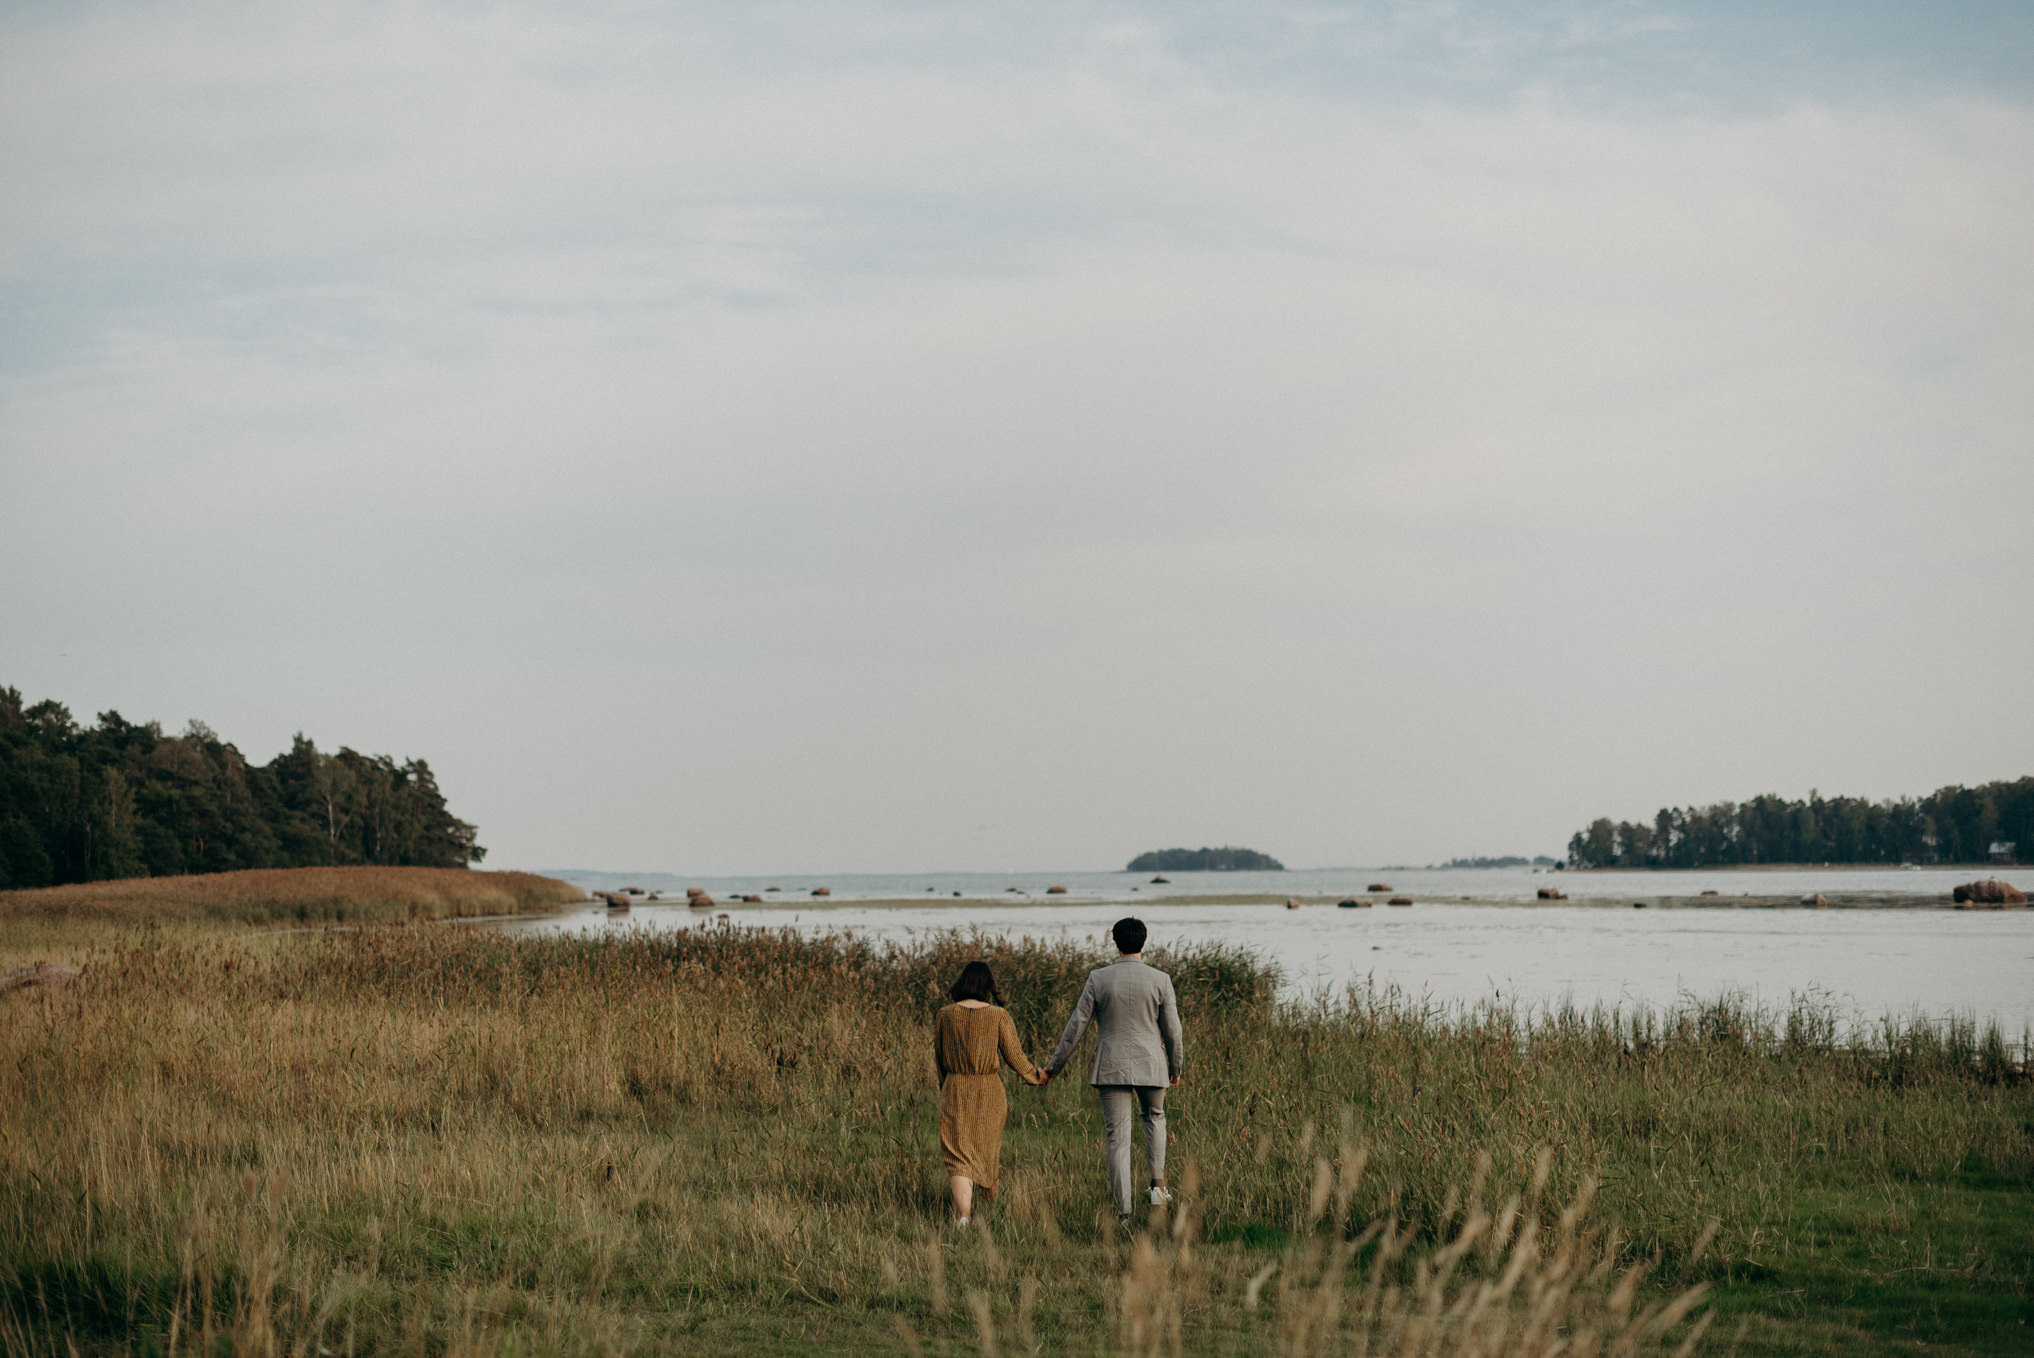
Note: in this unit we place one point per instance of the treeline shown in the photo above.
(116, 799)
(1204, 860)
(1952, 825)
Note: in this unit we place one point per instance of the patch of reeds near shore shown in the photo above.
(422, 1140)
(340, 895)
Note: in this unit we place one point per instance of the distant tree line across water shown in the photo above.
(1951, 825)
(1508, 861)
(116, 799)
(1204, 860)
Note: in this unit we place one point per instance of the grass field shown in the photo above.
(426, 1140)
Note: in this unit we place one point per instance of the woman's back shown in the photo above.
(974, 1039)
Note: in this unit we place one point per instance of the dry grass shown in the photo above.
(422, 1140)
(350, 895)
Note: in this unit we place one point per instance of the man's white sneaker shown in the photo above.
(1160, 1196)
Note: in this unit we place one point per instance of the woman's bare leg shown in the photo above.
(963, 1195)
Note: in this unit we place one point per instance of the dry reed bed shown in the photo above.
(356, 895)
(382, 1138)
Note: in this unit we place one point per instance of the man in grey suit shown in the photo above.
(1138, 1055)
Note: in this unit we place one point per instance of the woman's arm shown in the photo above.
(1013, 1051)
(939, 1045)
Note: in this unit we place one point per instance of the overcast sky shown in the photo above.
(857, 437)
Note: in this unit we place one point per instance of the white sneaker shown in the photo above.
(1160, 1196)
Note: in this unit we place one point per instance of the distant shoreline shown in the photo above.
(1794, 867)
(1841, 901)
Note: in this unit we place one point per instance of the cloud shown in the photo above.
(875, 418)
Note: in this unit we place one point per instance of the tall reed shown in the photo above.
(293, 896)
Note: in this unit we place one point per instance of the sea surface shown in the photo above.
(1494, 885)
(1473, 935)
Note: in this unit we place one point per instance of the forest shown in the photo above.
(1204, 860)
(120, 799)
(1954, 824)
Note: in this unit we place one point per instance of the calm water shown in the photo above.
(1482, 884)
(1866, 963)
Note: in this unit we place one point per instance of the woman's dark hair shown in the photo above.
(977, 982)
(1129, 935)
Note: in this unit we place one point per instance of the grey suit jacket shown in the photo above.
(1137, 1037)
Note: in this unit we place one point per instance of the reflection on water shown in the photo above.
(1866, 963)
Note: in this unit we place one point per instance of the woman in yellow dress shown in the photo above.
(975, 1036)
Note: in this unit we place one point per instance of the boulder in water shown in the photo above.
(1055, 891)
(1378, 886)
(1815, 900)
(1352, 903)
(1552, 893)
(1990, 893)
(1399, 900)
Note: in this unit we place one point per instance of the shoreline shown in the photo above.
(1746, 901)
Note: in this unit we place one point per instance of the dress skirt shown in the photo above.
(971, 1113)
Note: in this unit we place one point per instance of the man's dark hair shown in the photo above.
(977, 982)
(1129, 935)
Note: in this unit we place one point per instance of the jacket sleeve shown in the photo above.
(1084, 1009)
(1175, 1042)
(1013, 1052)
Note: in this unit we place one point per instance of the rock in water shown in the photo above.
(1399, 900)
(1055, 891)
(1353, 904)
(1990, 892)
(1548, 893)
(1815, 900)
(1378, 886)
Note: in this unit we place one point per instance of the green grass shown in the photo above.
(428, 1140)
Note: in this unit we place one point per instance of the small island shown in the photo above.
(1204, 860)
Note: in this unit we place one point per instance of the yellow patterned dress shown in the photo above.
(971, 1045)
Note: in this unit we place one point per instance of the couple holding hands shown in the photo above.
(1138, 1056)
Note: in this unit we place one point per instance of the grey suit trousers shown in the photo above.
(1117, 1102)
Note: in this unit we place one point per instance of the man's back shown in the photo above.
(1137, 1030)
